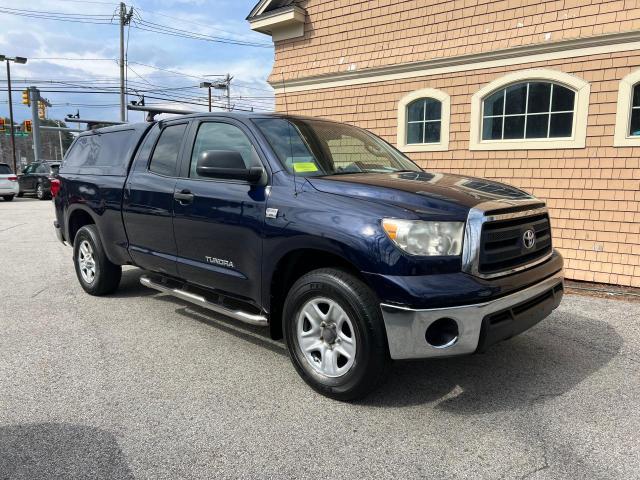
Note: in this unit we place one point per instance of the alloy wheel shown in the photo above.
(326, 337)
(86, 262)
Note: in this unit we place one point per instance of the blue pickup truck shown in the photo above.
(320, 231)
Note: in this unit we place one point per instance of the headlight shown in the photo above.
(417, 237)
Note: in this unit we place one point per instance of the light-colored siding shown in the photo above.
(346, 34)
(593, 193)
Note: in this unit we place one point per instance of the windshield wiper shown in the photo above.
(346, 172)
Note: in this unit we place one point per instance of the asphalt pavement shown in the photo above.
(137, 385)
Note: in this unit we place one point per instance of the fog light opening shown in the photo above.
(442, 333)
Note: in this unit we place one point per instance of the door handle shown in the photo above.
(184, 197)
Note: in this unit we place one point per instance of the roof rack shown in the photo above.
(73, 119)
(153, 111)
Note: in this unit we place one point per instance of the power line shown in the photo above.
(178, 32)
(102, 20)
(173, 72)
(138, 23)
(73, 59)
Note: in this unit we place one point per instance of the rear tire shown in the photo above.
(335, 334)
(96, 274)
(8, 198)
(40, 193)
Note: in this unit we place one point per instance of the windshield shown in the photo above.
(318, 147)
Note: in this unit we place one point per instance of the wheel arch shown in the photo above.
(290, 267)
(78, 217)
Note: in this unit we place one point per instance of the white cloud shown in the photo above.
(64, 43)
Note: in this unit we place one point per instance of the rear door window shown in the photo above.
(105, 153)
(164, 160)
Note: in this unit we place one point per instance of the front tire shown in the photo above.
(8, 198)
(96, 274)
(335, 335)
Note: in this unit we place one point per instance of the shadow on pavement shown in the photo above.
(256, 335)
(60, 450)
(545, 362)
(130, 285)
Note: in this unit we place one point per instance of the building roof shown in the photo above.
(266, 6)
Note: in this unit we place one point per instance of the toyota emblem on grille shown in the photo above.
(529, 239)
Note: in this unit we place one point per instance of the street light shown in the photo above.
(20, 60)
(207, 85)
(220, 85)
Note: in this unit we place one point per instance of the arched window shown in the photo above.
(627, 132)
(634, 118)
(531, 109)
(423, 121)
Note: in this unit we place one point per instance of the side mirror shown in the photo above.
(227, 164)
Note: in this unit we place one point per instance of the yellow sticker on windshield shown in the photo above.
(305, 167)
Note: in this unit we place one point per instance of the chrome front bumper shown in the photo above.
(406, 328)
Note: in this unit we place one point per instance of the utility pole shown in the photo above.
(60, 140)
(21, 60)
(227, 82)
(125, 19)
(34, 96)
(223, 85)
(11, 129)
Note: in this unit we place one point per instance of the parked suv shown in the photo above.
(320, 231)
(8, 183)
(36, 179)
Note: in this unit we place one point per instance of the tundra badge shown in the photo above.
(220, 262)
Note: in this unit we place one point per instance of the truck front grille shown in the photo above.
(502, 243)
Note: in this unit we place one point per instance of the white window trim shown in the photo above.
(621, 137)
(445, 115)
(581, 112)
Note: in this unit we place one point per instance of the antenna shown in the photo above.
(286, 111)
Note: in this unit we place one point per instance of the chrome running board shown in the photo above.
(199, 300)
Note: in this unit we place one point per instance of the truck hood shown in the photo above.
(420, 192)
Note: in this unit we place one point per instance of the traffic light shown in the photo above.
(25, 97)
(27, 126)
(42, 110)
(1, 124)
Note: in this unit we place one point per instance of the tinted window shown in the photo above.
(30, 169)
(164, 160)
(104, 153)
(43, 168)
(317, 147)
(222, 136)
(4, 169)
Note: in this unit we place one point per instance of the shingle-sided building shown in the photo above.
(544, 95)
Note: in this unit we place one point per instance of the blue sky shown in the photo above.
(59, 44)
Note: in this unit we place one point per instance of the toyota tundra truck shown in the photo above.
(319, 231)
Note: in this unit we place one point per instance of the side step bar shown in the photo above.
(199, 300)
